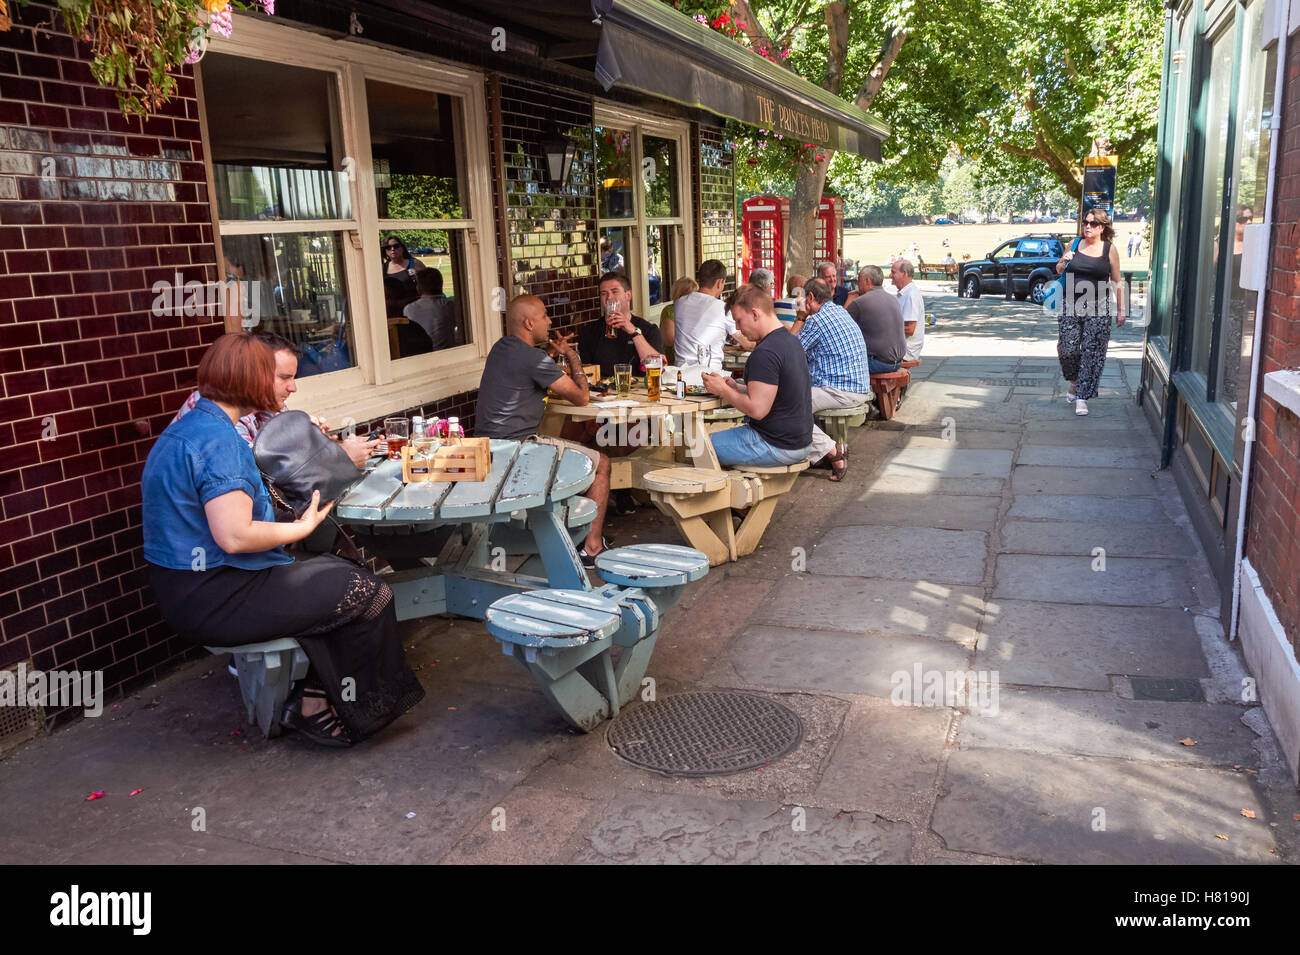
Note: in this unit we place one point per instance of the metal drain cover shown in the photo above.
(1167, 690)
(705, 733)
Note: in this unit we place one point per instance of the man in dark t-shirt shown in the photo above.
(776, 397)
(510, 395)
(634, 337)
(881, 320)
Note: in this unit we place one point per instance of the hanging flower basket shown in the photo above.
(138, 47)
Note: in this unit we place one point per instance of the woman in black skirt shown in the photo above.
(221, 575)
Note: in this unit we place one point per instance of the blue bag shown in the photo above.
(1054, 294)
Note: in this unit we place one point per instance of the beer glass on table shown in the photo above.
(623, 380)
(398, 432)
(653, 370)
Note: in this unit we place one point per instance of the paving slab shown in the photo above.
(1088, 482)
(531, 826)
(1079, 537)
(887, 761)
(853, 605)
(963, 438)
(892, 480)
(1045, 644)
(1131, 582)
(1089, 457)
(1091, 723)
(950, 511)
(1049, 809)
(894, 553)
(691, 830)
(828, 661)
(952, 462)
(1069, 507)
(941, 411)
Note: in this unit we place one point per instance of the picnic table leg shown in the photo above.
(564, 570)
(572, 693)
(752, 527)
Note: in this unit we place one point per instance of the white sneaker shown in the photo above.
(1081, 407)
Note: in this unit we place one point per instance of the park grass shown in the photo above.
(874, 246)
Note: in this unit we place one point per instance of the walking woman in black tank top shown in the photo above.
(1093, 293)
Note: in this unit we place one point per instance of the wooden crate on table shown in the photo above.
(469, 459)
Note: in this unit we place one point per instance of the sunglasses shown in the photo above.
(390, 246)
(1092, 222)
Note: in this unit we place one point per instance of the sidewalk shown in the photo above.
(964, 538)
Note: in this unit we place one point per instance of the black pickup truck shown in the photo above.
(1028, 262)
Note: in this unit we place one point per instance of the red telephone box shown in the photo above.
(763, 221)
(828, 242)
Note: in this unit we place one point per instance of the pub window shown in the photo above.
(323, 154)
(642, 212)
(283, 204)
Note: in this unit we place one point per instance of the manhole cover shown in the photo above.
(705, 734)
(1166, 690)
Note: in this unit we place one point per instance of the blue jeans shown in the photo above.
(878, 367)
(744, 445)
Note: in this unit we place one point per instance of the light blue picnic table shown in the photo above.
(587, 647)
(448, 526)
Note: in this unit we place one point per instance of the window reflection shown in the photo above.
(414, 153)
(661, 254)
(425, 313)
(659, 172)
(614, 157)
(273, 156)
(296, 289)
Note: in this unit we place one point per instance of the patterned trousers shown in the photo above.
(1081, 347)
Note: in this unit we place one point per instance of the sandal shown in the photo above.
(840, 456)
(324, 728)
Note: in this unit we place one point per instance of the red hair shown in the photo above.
(239, 370)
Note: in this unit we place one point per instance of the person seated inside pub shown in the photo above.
(513, 388)
(633, 337)
(776, 396)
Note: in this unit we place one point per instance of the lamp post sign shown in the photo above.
(1099, 185)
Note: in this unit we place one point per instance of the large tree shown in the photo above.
(1026, 90)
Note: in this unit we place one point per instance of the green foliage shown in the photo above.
(986, 78)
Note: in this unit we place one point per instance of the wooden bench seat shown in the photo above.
(700, 502)
(720, 419)
(837, 421)
(886, 388)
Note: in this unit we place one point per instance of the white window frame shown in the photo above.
(379, 384)
(606, 114)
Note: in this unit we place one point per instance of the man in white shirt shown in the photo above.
(702, 324)
(912, 305)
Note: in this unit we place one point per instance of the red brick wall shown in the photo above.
(1273, 519)
(94, 208)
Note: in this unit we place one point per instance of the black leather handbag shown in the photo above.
(296, 458)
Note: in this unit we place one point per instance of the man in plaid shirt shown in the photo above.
(837, 366)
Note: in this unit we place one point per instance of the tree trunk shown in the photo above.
(811, 178)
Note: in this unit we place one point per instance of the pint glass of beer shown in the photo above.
(653, 370)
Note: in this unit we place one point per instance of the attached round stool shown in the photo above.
(661, 569)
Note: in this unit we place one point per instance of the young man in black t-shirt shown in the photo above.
(776, 397)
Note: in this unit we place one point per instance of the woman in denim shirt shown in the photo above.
(222, 577)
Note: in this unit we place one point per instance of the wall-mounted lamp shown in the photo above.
(559, 150)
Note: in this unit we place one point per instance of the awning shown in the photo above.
(650, 47)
